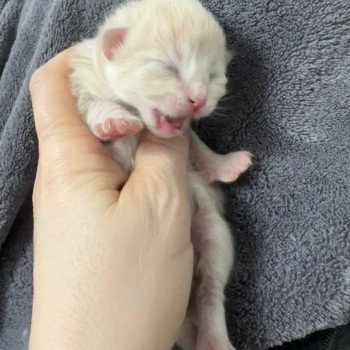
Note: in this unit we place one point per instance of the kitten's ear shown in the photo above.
(111, 39)
(229, 55)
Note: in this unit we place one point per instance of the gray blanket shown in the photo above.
(289, 105)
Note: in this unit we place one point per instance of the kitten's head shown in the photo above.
(170, 64)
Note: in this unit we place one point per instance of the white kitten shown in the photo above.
(156, 64)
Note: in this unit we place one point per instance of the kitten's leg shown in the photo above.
(213, 243)
(215, 167)
(214, 266)
(188, 335)
(108, 120)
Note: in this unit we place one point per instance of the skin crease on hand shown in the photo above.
(112, 269)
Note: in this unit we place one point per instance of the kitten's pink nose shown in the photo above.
(196, 103)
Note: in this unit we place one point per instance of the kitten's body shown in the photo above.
(159, 62)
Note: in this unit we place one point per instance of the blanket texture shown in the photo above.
(289, 105)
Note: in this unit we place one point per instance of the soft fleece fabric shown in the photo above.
(289, 105)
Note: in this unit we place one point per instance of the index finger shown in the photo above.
(53, 104)
(63, 137)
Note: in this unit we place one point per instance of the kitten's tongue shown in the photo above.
(168, 124)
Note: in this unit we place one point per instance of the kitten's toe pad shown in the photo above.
(112, 128)
(233, 165)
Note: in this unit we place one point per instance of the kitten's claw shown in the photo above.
(233, 165)
(117, 128)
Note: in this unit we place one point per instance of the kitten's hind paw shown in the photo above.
(112, 128)
(233, 165)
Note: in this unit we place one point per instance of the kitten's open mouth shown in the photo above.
(168, 124)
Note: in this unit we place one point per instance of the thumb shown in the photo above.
(165, 159)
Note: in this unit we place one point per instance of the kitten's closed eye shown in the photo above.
(172, 68)
(213, 75)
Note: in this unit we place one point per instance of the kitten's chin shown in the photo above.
(165, 126)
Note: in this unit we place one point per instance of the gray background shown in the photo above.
(289, 105)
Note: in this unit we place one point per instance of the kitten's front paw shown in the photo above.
(112, 128)
(233, 165)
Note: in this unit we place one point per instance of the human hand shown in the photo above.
(113, 258)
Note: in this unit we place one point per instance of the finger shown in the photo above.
(36, 189)
(62, 136)
(53, 104)
(158, 187)
(163, 158)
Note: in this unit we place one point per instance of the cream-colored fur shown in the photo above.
(168, 62)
